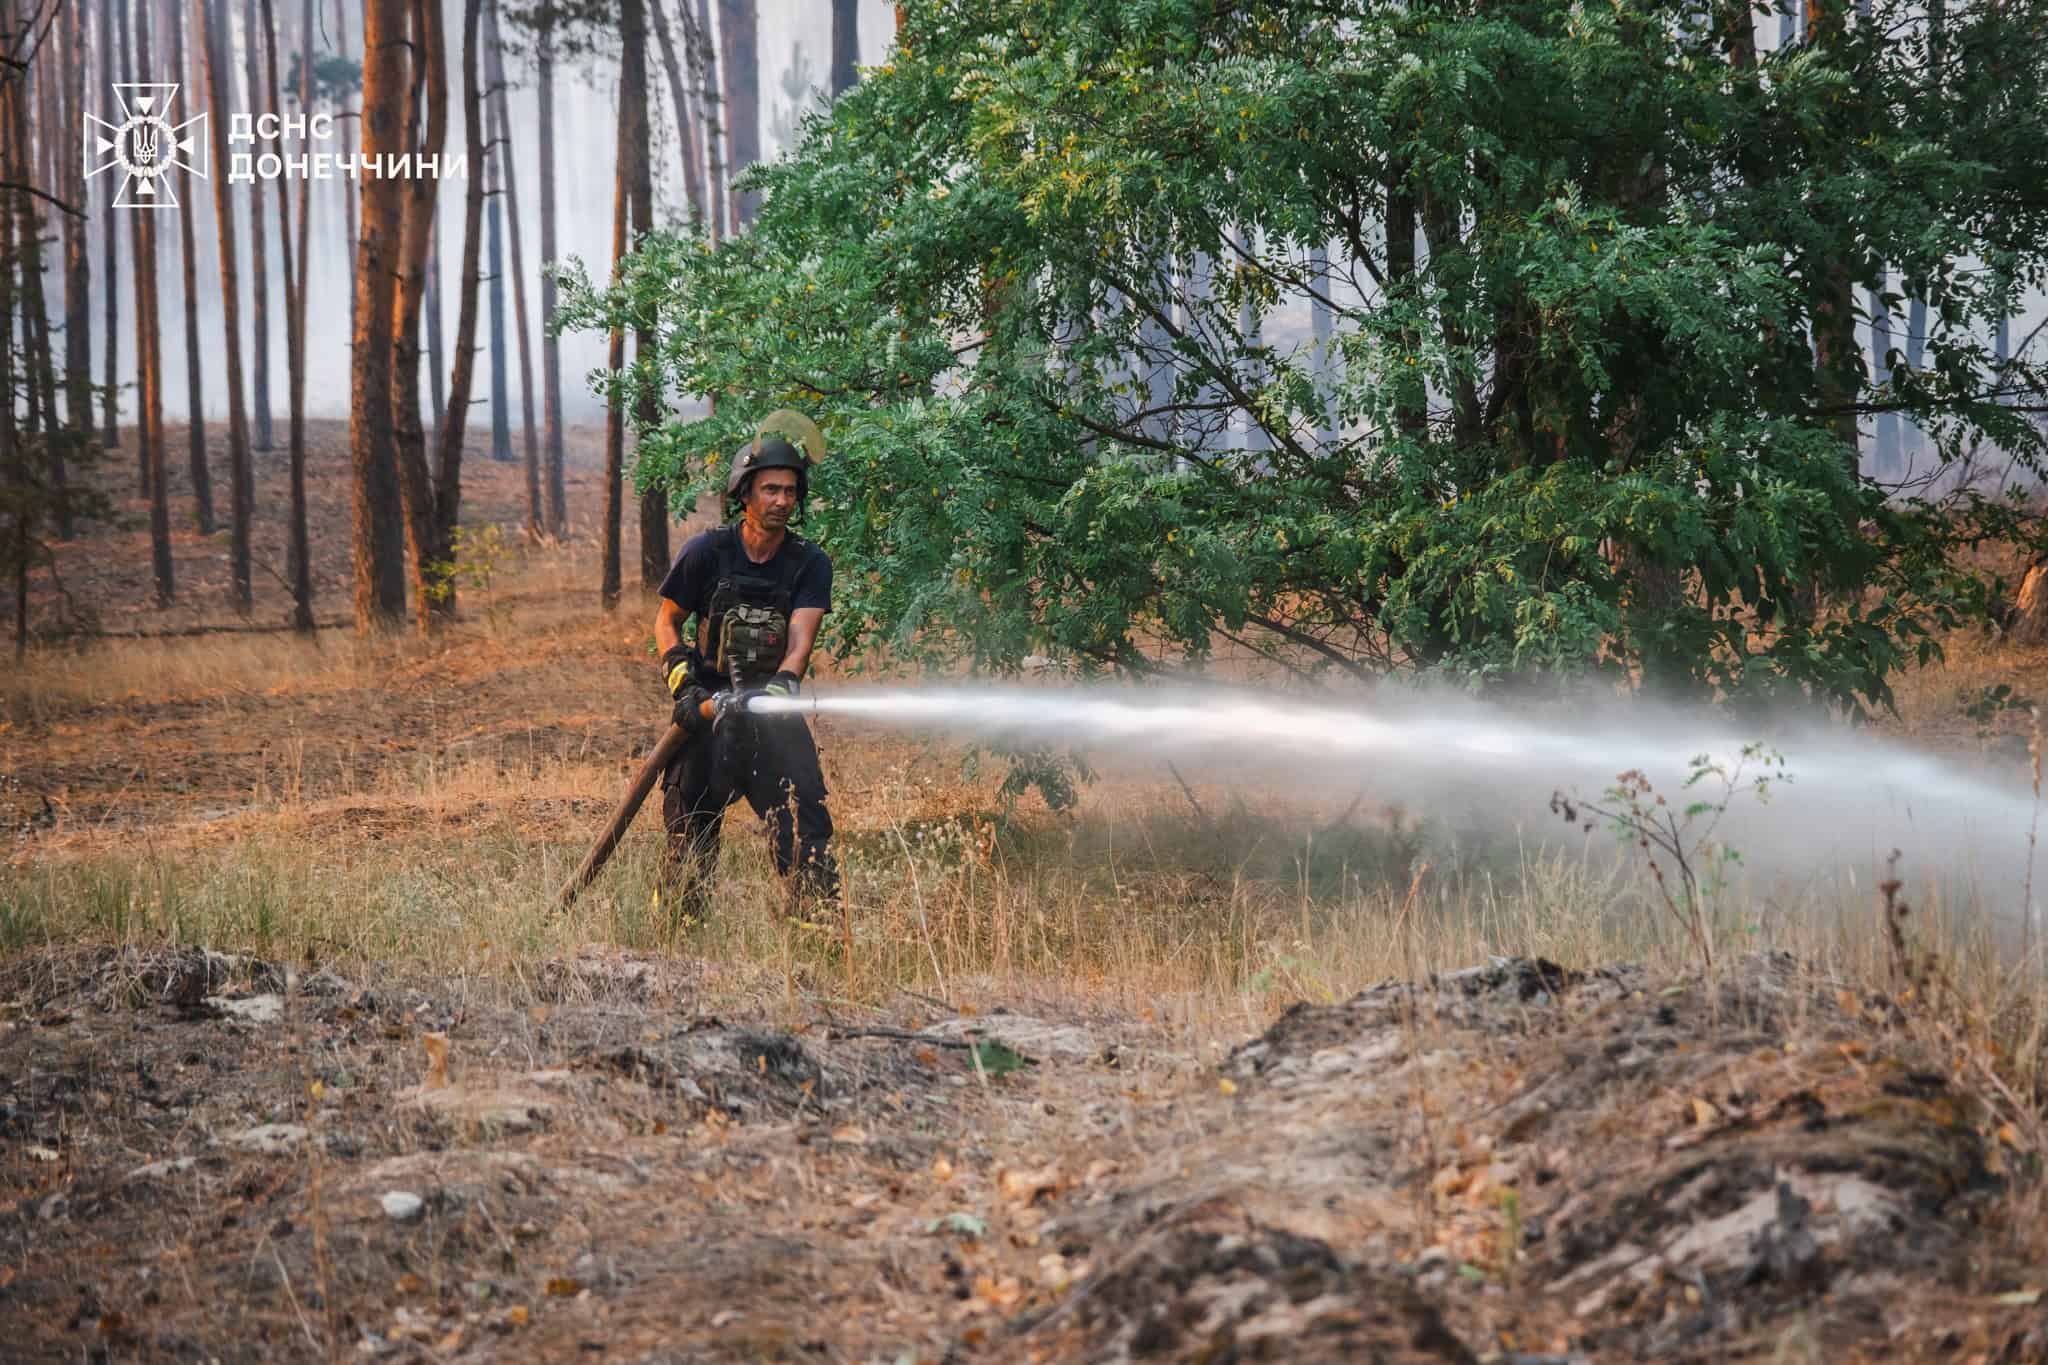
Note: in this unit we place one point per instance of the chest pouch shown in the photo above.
(750, 634)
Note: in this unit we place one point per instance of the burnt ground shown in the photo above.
(204, 1157)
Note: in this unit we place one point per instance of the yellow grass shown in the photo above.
(334, 831)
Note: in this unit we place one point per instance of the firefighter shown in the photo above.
(758, 593)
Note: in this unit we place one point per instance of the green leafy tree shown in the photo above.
(1589, 408)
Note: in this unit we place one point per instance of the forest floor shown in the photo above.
(296, 1063)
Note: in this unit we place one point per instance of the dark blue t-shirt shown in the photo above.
(694, 575)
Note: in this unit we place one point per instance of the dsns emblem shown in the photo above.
(145, 145)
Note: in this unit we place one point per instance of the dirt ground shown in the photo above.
(610, 1154)
(218, 1158)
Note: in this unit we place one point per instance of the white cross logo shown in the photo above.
(145, 144)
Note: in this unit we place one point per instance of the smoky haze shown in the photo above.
(795, 38)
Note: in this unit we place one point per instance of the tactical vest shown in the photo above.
(746, 623)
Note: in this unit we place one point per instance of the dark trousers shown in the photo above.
(773, 763)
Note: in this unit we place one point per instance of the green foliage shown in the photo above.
(479, 556)
(1984, 705)
(335, 78)
(1045, 279)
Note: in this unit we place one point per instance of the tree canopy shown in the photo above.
(1516, 341)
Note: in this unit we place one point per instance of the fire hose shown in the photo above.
(643, 782)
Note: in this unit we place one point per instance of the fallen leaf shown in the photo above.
(998, 1294)
(562, 1287)
(1704, 1113)
(436, 1045)
(851, 1134)
(1026, 1187)
(517, 1315)
(1227, 1086)
(409, 1283)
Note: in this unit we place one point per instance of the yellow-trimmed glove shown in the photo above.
(783, 684)
(675, 669)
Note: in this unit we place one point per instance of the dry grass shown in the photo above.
(399, 801)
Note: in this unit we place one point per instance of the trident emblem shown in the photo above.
(145, 144)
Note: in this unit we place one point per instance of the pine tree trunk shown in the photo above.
(195, 391)
(10, 436)
(1837, 359)
(437, 354)
(653, 496)
(259, 253)
(501, 394)
(78, 412)
(300, 569)
(219, 76)
(632, 112)
(1322, 326)
(1409, 412)
(41, 367)
(142, 234)
(686, 122)
(379, 540)
(149, 360)
(1885, 442)
(739, 39)
(845, 45)
(550, 352)
(423, 130)
(509, 164)
(2030, 623)
(448, 475)
(296, 568)
(110, 398)
(348, 134)
(711, 102)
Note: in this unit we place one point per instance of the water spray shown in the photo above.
(1852, 797)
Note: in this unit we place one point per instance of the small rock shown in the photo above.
(403, 1206)
(156, 1170)
(256, 1009)
(270, 1139)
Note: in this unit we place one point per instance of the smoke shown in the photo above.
(1835, 802)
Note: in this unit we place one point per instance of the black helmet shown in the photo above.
(767, 452)
(785, 440)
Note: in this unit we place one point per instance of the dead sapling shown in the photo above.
(1684, 836)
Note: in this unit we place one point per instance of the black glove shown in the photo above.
(688, 712)
(680, 668)
(783, 684)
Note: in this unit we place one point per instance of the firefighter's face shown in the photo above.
(771, 498)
